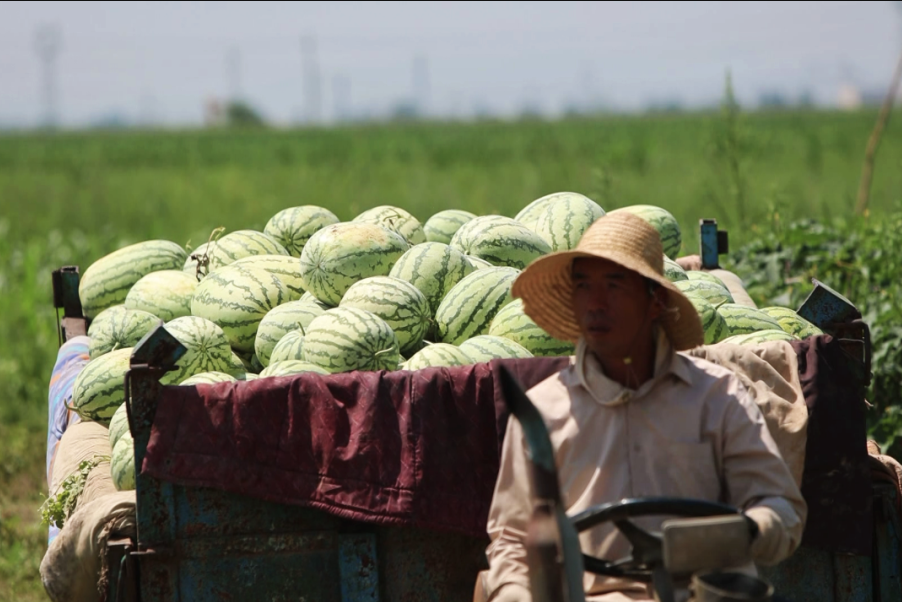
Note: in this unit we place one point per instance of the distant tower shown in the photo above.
(341, 97)
(311, 77)
(47, 45)
(421, 84)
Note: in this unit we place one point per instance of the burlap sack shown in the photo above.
(74, 569)
(770, 371)
(82, 441)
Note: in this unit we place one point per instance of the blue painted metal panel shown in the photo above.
(358, 564)
(854, 580)
(806, 575)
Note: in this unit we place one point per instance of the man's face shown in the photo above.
(613, 308)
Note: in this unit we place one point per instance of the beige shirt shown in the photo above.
(691, 431)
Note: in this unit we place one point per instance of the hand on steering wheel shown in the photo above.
(646, 554)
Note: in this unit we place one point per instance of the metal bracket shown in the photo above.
(65, 297)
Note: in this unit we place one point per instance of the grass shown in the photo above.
(70, 199)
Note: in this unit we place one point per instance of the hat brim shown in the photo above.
(546, 288)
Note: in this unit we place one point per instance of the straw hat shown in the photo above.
(626, 239)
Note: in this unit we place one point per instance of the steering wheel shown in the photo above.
(646, 556)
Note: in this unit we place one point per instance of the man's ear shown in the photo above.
(658, 300)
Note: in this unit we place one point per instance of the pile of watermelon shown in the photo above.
(383, 291)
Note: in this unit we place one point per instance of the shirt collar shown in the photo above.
(587, 371)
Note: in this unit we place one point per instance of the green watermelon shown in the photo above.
(500, 241)
(395, 219)
(433, 268)
(345, 339)
(485, 348)
(564, 220)
(663, 221)
(283, 267)
(511, 322)
(294, 226)
(122, 463)
(242, 243)
(236, 297)
(746, 320)
(337, 256)
(281, 320)
(403, 307)
(166, 294)
(791, 322)
(99, 389)
(107, 281)
(442, 226)
(206, 348)
(289, 367)
(289, 347)
(469, 307)
(438, 355)
(122, 329)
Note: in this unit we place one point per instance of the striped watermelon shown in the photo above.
(206, 348)
(438, 355)
(284, 267)
(513, 323)
(345, 339)
(758, 337)
(242, 243)
(673, 271)
(478, 263)
(713, 323)
(337, 256)
(529, 215)
(706, 276)
(500, 240)
(252, 363)
(308, 297)
(122, 463)
(236, 298)
(166, 294)
(124, 329)
(469, 307)
(564, 220)
(485, 348)
(208, 378)
(236, 366)
(281, 320)
(118, 424)
(790, 321)
(289, 347)
(107, 281)
(289, 367)
(395, 219)
(745, 320)
(433, 268)
(99, 389)
(663, 221)
(294, 226)
(442, 226)
(105, 318)
(403, 307)
(714, 293)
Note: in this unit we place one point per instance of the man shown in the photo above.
(633, 414)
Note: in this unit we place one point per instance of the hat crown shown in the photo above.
(625, 236)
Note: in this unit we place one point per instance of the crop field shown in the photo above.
(782, 184)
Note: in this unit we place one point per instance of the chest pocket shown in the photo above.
(679, 469)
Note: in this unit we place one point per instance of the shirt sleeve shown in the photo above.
(509, 516)
(759, 482)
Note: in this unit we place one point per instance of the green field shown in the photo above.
(782, 184)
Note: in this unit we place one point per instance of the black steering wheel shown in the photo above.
(646, 556)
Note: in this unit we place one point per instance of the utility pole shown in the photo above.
(47, 45)
(311, 78)
(341, 97)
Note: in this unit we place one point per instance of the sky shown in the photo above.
(160, 62)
